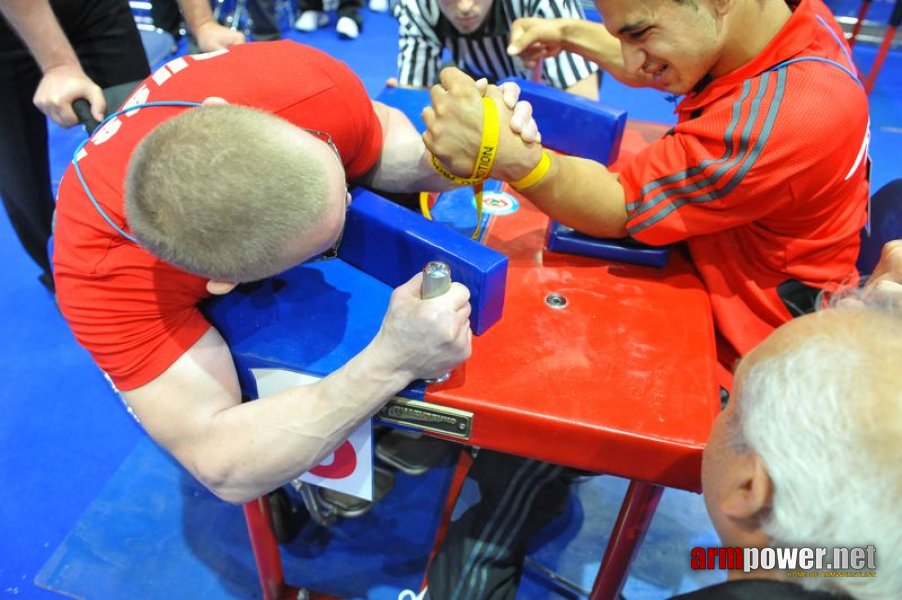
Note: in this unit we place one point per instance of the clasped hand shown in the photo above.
(454, 124)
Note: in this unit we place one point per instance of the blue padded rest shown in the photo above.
(568, 241)
(391, 243)
(314, 318)
(574, 125)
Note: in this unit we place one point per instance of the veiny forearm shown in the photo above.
(252, 448)
(38, 27)
(581, 194)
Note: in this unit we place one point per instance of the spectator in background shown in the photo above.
(313, 16)
(51, 54)
(476, 33)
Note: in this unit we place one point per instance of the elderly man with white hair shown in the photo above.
(808, 453)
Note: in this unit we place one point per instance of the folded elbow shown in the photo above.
(221, 481)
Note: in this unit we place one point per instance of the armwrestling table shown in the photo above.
(597, 365)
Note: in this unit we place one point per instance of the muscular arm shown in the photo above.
(531, 37)
(240, 451)
(598, 210)
(64, 80)
(404, 163)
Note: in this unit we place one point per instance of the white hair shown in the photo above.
(825, 416)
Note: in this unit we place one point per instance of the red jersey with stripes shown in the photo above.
(764, 176)
(135, 313)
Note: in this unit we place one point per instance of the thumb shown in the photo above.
(98, 103)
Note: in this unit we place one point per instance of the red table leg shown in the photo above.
(266, 551)
(266, 555)
(636, 512)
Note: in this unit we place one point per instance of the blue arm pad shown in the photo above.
(391, 243)
(572, 124)
(567, 241)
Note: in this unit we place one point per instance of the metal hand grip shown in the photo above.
(83, 111)
(436, 281)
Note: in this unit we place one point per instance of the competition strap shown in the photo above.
(485, 160)
(80, 147)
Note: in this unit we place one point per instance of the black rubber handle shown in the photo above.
(83, 112)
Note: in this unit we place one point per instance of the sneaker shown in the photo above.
(311, 20)
(379, 5)
(347, 28)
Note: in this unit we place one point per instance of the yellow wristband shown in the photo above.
(537, 174)
(488, 148)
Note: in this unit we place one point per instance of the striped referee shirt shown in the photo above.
(424, 33)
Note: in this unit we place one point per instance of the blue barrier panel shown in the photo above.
(391, 243)
(574, 125)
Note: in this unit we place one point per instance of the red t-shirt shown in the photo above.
(764, 176)
(135, 313)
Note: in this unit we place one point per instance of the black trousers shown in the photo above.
(108, 44)
(504, 502)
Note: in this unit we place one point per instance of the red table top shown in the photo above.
(620, 381)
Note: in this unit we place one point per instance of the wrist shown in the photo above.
(535, 175)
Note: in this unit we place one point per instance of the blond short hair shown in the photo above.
(224, 192)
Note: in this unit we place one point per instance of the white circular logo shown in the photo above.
(498, 203)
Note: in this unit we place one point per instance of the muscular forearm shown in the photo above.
(594, 42)
(597, 208)
(252, 448)
(38, 27)
(404, 165)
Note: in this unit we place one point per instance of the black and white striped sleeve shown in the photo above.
(419, 46)
(567, 68)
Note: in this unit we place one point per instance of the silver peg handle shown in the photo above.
(436, 281)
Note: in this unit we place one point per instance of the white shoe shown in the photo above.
(379, 5)
(311, 20)
(347, 28)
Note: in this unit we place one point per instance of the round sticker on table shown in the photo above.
(498, 203)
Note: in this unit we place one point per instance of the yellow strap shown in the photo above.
(537, 174)
(485, 160)
(488, 148)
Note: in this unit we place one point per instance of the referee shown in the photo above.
(476, 34)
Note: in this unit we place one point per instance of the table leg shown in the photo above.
(638, 508)
(265, 548)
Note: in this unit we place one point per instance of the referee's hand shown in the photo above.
(535, 39)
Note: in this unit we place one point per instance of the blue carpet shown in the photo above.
(93, 507)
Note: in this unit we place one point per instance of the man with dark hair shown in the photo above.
(764, 178)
